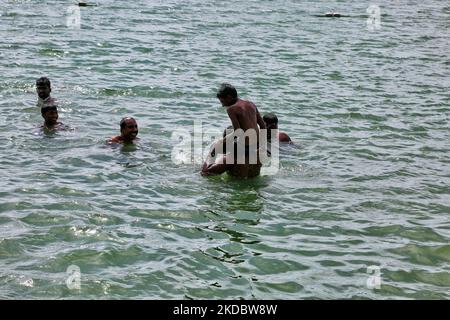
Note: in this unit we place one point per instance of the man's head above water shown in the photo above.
(43, 87)
(128, 129)
(50, 115)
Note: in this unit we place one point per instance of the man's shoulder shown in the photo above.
(48, 102)
(115, 139)
(243, 105)
(62, 126)
(248, 104)
(234, 108)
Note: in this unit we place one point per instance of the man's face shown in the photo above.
(51, 117)
(226, 101)
(130, 130)
(43, 91)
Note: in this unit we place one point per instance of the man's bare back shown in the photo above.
(244, 115)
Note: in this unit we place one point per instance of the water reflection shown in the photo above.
(236, 206)
(128, 148)
(228, 196)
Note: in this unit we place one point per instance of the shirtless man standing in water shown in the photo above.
(244, 115)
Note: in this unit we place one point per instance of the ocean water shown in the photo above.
(359, 208)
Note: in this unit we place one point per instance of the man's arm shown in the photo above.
(259, 119)
(215, 168)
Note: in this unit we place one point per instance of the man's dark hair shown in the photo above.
(270, 118)
(43, 81)
(48, 108)
(226, 89)
(123, 122)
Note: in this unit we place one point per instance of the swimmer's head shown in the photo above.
(50, 114)
(271, 121)
(227, 94)
(128, 128)
(43, 87)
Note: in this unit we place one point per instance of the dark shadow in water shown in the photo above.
(236, 236)
(234, 204)
(227, 195)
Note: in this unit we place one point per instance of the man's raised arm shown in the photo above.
(259, 120)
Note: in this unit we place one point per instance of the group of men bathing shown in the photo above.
(238, 152)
